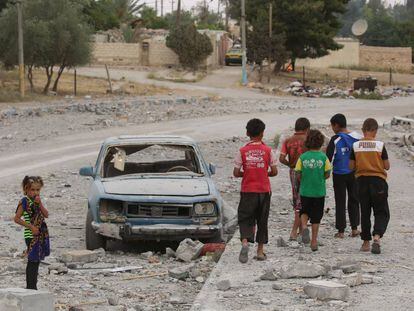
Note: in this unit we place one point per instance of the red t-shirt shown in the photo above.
(293, 147)
(255, 158)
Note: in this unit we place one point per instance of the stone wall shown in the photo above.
(397, 58)
(348, 56)
(116, 54)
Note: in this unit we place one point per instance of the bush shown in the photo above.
(191, 46)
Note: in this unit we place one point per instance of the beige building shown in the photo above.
(153, 51)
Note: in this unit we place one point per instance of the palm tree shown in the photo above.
(127, 9)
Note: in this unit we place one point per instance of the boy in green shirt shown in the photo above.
(313, 168)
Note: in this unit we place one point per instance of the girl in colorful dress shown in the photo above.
(36, 235)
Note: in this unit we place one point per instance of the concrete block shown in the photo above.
(180, 273)
(19, 299)
(81, 256)
(189, 250)
(302, 270)
(353, 279)
(326, 290)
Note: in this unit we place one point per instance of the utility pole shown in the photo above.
(156, 7)
(178, 21)
(227, 15)
(269, 60)
(243, 29)
(20, 47)
(162, 7)
(172, 6)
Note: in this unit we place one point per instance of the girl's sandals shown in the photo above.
(314, 248)
(376, 248)
(261, 257)
(244, 254)
(365, 248)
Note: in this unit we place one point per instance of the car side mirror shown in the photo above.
(87, 171)
(212, 168)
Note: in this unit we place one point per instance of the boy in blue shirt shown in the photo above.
(338, 152)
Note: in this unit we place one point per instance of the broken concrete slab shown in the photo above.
(79, 256)
(189, 250)
(367, 279)
(19, 299)
(351, 268)
(302, 270)
(180, 273)
(353, 279)
(269, 275)
(326, 290)
(223, 285)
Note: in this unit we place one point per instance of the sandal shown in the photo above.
(376, 248)
(305, 236)
(365, 248)
(355, 234)
(314, 248)
(261, 258)
(244, 254)
(339, 235)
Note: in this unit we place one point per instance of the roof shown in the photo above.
(169, 139)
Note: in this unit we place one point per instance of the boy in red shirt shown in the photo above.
(292, 148)
(254, 163)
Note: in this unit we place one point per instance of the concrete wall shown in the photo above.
(397, 58)
(347, 56)
(116, 53)
(159, 53)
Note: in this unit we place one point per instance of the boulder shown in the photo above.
(19, 299)
(79, 256)
(326, 290)
(189, 250)
(302, 270)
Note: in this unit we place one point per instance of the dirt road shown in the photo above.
(59, 156)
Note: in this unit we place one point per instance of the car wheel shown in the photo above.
(227, 63)
(93, 239)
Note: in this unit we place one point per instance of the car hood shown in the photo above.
(157, 186)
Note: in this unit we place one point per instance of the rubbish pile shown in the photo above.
(401, 132)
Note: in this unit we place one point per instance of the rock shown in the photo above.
(302, 270)
(200, 279)
(175, 300)
(367, 279)
(223, 285)
(351, 268)
(189, 250)
(269, 275)
(337, 303)
(19, 299)
(294, 244)
(265, 301)
(337, 273)
(326, 290)
(352, 280)
(147, 255)
(170, 253)
(79, 256)
(280, 242)
(277, 287)
(180, 273)
(295, 84)
(113, 300)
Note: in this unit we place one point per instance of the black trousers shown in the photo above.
(373, 196)
(254, 210)
(32, 271)
(343, 184)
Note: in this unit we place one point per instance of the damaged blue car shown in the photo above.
(152, 188)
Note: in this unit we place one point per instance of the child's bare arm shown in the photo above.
(298, 175)
(18, 220)
(44, 211)
(386, 164)
(237, 172)
(283, 159)
(273, 171)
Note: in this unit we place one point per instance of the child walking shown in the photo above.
(292, 148)
(313, 168)
(36, 235)
(338, 152)
(255, 162)
(369, 159)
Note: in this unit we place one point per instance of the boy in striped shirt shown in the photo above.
(369, 159)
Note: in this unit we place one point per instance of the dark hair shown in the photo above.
(314, 140)
(339, 119)
(369, 125)
(29, 180)
(302, 124)
(255, 127)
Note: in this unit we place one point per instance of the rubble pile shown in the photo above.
(401, 134)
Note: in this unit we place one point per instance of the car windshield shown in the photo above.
(150, 159)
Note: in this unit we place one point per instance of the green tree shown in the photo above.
(309, 25)
(55, 35)
(3, 4)
(151, 20)
(191, 46)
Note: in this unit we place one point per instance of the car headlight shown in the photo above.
(205, 209)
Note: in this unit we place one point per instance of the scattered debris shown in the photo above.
(326, 290)
(302, 270)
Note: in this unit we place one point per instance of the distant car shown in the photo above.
(234, 56)
(152, 188)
